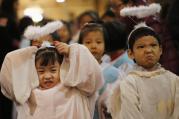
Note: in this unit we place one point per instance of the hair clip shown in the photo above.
(46, 44)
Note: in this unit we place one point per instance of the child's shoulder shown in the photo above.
(171, 75)
(27, 50)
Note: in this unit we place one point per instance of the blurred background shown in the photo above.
(58, 9)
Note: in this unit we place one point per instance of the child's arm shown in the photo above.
(80, 69)
(18, 74)
(130, 105)
(176, 94)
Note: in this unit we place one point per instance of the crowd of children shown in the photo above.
(111, 72)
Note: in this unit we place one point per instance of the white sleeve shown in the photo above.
(18, 74)
(130, 108)
(81, 70)
(176, 104)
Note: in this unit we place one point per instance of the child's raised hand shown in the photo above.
(61, 47)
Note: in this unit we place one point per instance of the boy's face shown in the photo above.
(48, 75)
(94, 41)
(146, 51)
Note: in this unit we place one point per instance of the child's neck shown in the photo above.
(152, 68)
(116, 54)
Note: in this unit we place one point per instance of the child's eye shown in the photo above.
(53, 70)
(153, 45)
(140, 46)
(40, 71)
(87, 42)
(98, 42)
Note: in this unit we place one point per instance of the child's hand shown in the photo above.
(62, 48)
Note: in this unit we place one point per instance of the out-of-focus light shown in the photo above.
(35, 13)
(60, 1)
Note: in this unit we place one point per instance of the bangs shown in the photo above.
(48, 56)
(140, 32)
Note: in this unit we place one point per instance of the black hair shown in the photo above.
(93, 26)
(24, 23)
(117, 35)
(93, 14)
(109, 13)
(140, 32)
(8, 7)
(48, 55)
(135, 2)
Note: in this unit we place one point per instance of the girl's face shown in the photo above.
(146, 52)
(49, 75)
(94, 41)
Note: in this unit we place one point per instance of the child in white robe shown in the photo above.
(148, 91)
(94, 37)
(45, 87)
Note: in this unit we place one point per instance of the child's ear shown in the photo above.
(130, 53)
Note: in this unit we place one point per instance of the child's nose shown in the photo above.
(47, 76)
(148, 49)
(94, 45)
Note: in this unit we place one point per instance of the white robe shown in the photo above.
(149, 95)
(74, 98)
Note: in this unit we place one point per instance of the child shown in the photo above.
(149, 91)
(117, 44)
(65, 89)
(95, 38)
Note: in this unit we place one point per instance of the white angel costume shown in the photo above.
(73, 98)
(148, 95)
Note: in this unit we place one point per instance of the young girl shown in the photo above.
(117, 43)
(94, 37)
(149, 91)
(65, 89)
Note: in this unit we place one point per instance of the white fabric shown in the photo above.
(114, 100)
(18, 74)
(74, 98)
(149, 95)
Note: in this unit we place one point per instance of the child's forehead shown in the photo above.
(95, 31)
(43, 62)
(49, 59)
(146, 39)
(94, 35)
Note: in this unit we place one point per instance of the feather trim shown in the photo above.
(141, 11)
(34, 32)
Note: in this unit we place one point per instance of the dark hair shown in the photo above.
(109, 13)
(140, 32)
(117, 35)
(24, 23)
(93, 14)
(48, 55)
(56, 36)
(89, 27)
(136, 2)
(8, 7)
